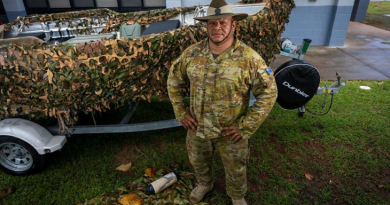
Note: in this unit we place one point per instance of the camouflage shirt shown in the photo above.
(220, 88)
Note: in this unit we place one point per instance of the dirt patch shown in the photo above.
(385, 181)
(279, 147)
(379, 21)
(319, 126)
(253, 187)
(220, 185)
(341, 144)
(130, 152)
(316, 156)
(317, 146)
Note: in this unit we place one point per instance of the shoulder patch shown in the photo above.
(269, 71)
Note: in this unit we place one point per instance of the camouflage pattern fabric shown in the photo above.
(234, 157)
(178, 193)
(220, 88)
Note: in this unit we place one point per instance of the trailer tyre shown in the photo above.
(18, 157)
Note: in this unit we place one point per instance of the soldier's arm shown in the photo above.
(177, 83)
(265, 91)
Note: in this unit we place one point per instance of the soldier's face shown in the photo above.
(221, 29)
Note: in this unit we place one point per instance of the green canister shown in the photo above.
(305, 45)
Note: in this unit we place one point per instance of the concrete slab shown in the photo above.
(364, 56)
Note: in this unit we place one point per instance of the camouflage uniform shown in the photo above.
(219, 97)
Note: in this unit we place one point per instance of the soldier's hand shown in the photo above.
(233, 131)
(189, 123)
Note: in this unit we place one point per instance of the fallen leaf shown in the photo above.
(131, 199)
(151, 172)
(381, 185)
(124, 167)
(309, 176)
(99, 92)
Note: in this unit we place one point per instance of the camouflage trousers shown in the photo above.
(234, 157)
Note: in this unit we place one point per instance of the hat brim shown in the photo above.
(237, 17)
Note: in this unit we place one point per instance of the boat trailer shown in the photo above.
(24, 143)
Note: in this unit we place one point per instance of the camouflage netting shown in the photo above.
(58, 81)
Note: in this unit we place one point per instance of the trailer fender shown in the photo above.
(33, 134)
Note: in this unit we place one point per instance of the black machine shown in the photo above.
(298, 81)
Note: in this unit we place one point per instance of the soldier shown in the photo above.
(220, 72)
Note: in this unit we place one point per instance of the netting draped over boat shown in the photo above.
(58, 81)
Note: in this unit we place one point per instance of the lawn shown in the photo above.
(381, 7)
(346, 152)
(376, 15)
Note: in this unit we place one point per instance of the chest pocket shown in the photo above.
(233, 77)
(195, 69)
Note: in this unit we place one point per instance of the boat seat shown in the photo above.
(130, 31)
(162, 26)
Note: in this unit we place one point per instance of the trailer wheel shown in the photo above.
(19, 158)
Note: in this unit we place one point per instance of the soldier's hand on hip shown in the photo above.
(189, 123)
(233, 131)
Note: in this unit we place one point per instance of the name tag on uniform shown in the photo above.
(269, 71)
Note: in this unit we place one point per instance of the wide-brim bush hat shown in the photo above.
(220, 9)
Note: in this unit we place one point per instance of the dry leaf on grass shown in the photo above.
(131, 199)
(309, 176)
(124, 167)
(99, 92)
(381, 185)
(151, 172)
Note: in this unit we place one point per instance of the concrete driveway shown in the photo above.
(364, 56)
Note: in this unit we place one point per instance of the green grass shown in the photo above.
(347, 151)
(379, 7)
(376, 15)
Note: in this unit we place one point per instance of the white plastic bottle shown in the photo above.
(162, 183)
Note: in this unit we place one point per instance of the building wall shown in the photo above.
(14, 8)
(360, 10)
(324, 21)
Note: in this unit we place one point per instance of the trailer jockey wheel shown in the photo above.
(297, 83)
